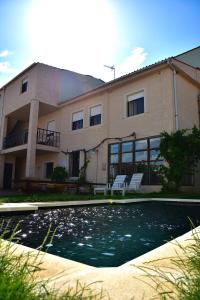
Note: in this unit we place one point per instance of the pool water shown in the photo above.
(105, 235)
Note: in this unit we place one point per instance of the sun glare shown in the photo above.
(74, 34)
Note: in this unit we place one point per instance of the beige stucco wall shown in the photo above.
(159, 114)
(42, 159)
(194, 73)
(187, 95)
(47, 88)
(13, 98)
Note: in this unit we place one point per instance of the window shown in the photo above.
(51, 125)
(135, 104)
(95, 115)
(48, 169)
(77, 120)
(135, 157)
(114, 153)
(24, 85)
(127, 152)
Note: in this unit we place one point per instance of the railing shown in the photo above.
(15, 139)
(44, 137)
(48, 137)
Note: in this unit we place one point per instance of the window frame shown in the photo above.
(96, 123)
(142, 96)
(73, 122)
(49, 122)
(24, 85)
(135, 164)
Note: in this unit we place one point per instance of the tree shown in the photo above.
(181, 151)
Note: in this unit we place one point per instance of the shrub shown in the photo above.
(59, 174)
(181, 151)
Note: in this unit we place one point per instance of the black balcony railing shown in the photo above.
(44, 137)
(48, 137)
(15, 139)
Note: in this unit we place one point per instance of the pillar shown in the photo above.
(2, 156)
(2, 161)
(3, 131)
(32, 139)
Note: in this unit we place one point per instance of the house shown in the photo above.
(51, 117)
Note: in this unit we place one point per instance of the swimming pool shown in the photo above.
(105, 235)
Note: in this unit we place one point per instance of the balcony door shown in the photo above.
(74, 163)
(51, 125)
(7, 179)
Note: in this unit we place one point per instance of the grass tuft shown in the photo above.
(19, 277)
(45, 197)
(181, 281)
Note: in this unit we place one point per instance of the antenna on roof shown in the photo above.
(111, 68)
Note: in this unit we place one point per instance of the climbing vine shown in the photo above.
(181, 151)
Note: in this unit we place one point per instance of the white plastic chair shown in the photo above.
(134, 184)
(118, 183)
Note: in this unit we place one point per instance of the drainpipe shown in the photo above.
(175, 100)
(175, 96)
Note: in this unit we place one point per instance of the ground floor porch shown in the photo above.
(98, 165)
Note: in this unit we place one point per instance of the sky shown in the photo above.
(85, 35)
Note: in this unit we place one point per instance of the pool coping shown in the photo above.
(33, 206)
(119, 283)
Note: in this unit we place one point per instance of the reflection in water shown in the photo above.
(105, 235)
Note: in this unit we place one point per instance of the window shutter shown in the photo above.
(96, 110)
(136, 96)
(77, 116)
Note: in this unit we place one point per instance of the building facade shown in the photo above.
(51, 117)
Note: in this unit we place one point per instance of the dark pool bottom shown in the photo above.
(106, 235)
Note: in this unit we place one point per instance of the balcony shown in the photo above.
(44, 137)
(15, 139)
(48, 137)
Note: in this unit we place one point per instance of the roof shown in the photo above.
(133, 74)
(121, 78)
(88, 80)
(198, 47)
(88, 84)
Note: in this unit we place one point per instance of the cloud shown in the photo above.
(6, 68)
(4, 53)
(133, 62)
